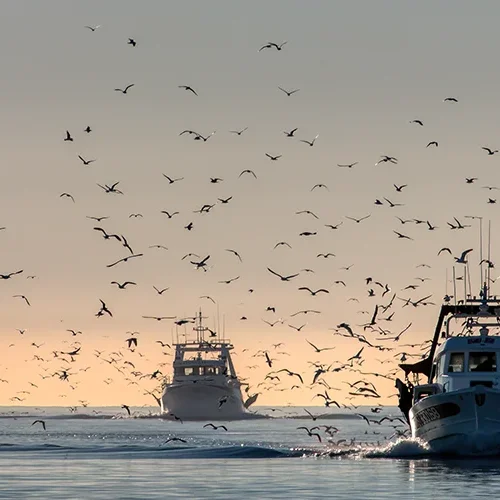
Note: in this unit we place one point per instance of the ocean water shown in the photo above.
(101, 453)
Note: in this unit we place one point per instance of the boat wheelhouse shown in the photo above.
(204, 385)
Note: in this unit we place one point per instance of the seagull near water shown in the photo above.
(215, 427)
(310, 433)
(173, 439)
(42, 422)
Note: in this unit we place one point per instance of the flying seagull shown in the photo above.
(288, 92)
(125, 90)
(270, 45)
(188, 88)
(40, 422)
(463, 257)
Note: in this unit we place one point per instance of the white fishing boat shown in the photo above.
(204, 385)
(458, 409)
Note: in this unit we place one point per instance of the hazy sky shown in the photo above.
(364, 69)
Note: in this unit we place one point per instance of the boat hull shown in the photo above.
(465, 421)
(201, 401)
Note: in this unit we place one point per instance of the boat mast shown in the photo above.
(199, 328)
(488, 268)
(454, 287)
(218, 323)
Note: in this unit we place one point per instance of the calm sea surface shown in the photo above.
(100, 453)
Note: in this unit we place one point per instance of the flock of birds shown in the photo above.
(373, 341)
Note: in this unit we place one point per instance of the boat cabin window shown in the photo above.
(482, 362)
(209, 370)
(191, 371)
(456, 362)
(440, 365)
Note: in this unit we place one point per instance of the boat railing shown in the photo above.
(472, 323)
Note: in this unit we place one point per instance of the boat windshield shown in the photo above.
(200, 370)
(456, 363)
(482, 362)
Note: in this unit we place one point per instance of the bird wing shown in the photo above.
(275, 273)
(312, 345)
(464, 253)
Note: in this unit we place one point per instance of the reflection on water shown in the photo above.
(463, 477)
(271, 459)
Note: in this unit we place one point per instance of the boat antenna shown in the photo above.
(454, 288)
(467, 273)
(218, 323)
(224, 327)
(488, 267)
(199, 327)
(465, 281)
(481, 262)
(480, 244)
